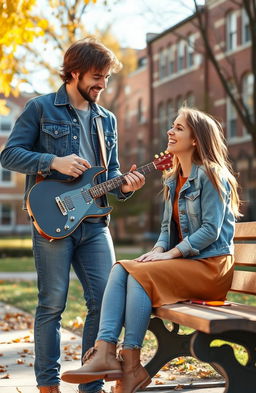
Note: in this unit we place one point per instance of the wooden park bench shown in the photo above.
(235, 323)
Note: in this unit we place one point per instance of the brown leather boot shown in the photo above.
(100, 362)
(49, 389)
(135, 376)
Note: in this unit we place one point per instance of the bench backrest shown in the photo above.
(244, 279)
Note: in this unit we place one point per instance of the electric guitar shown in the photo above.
(57, 207)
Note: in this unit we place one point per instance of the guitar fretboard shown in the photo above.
(101, 189)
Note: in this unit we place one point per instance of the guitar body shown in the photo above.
(55, 220)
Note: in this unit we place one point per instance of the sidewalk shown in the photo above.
(17, 358)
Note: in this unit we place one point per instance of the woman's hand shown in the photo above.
(158, 254)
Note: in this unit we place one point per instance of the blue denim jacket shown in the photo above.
(206, 221)
(49, 127)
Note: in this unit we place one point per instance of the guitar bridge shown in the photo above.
(61, 206)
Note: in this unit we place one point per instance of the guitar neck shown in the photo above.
(101, 189)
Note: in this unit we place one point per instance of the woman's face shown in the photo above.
(179, 137)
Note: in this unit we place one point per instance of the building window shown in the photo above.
(6, 215)
(247, 85)
(162, 64)
(190, 100)
(162, 126)
(231, 120)
(140, 117)
(246, 34)
(231, 31)
(5, 177)
(171, 114)
(6, 123)
(181, 55)
(190, 50)
(179, 103)
(171, 60)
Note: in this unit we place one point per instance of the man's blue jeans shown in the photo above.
(125, 303)
(90, 250)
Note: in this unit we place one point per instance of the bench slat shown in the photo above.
(245, 230)
(244, 282)
(210, 319)
(245, 254)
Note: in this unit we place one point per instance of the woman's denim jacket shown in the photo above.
(49, 127)
(206, 221)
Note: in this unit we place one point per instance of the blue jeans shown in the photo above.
(125, 303)
(90, 250)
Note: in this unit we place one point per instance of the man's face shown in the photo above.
(93, 82)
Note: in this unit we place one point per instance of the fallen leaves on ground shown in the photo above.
(16, 321)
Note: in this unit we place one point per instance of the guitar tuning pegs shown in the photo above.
(156, 156)
(161, 154)
(166, 152)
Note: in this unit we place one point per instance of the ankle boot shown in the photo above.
(100, 362)
(135, 376)
(49, 389)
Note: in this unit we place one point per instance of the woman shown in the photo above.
(192, 258)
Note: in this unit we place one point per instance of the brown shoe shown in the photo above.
(135, 376)
(100, 362)
(49, 389)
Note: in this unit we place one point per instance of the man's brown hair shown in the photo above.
(87, 54)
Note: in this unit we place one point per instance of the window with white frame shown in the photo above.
(162, 125)
(231, 120)
(162, 64)
(190, 50)
(171, 60)
(179, 103)
(170, 114)
(6, 177)
(190, 100)
(247, 83)
(181, 55)
(6, 215)
(231, 30)
(6, 122)
(246, 34)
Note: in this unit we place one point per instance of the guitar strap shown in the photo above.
(102, 141)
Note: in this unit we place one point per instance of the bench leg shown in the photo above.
(170, 345)
(238, 378)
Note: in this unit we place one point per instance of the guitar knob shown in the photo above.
(161, 154)
(66, 227)
(156, 156)
(72, 218)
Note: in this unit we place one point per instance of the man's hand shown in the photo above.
(71, 165)
(134, 180)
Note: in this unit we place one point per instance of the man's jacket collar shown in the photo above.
(62, 98)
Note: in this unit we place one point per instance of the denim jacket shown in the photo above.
(49, 127)
(206, 221)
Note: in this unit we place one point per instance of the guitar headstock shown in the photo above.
(163, 161)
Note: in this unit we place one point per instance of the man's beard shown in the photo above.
(85, 95)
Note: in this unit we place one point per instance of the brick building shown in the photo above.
(179, 72)
(13, 220)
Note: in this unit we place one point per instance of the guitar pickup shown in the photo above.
(61, 206)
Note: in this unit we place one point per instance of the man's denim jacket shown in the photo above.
(206, 221)
(49, 127)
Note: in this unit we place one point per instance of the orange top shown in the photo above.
(175, 215)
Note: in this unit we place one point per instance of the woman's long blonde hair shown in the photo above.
(211, 152)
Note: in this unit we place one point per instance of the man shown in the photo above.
(56, 137)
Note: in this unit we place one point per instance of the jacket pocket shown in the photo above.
(55, 138)
(193, 202)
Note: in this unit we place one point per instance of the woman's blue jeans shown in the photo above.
(90, 250)
(125, 303)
